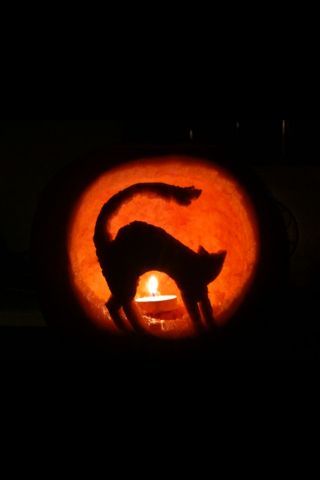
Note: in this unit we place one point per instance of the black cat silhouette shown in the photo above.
(140, 247)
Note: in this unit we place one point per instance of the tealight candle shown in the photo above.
(156, 303)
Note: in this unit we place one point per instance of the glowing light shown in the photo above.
(223, 218)
(152, 285)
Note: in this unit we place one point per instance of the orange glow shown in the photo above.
(221, 219)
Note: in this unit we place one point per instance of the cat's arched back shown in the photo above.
(140, 247)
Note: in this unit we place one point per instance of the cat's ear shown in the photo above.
(202, 251)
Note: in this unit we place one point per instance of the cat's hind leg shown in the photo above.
(133, 315)
(193, 311)
(114, 309)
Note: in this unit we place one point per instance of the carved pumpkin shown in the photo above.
(232, 214)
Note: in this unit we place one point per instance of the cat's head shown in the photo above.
(212, 263)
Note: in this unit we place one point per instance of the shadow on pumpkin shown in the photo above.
(140, 247)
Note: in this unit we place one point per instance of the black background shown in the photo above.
(256, 404)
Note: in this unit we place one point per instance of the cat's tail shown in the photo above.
(181, 195)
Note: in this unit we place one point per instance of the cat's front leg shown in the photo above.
(193, 311)
(206, 310)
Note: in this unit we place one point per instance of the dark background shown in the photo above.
(284, 153)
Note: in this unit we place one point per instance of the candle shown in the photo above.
(156, 303)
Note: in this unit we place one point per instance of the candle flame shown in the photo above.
(152, 285)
